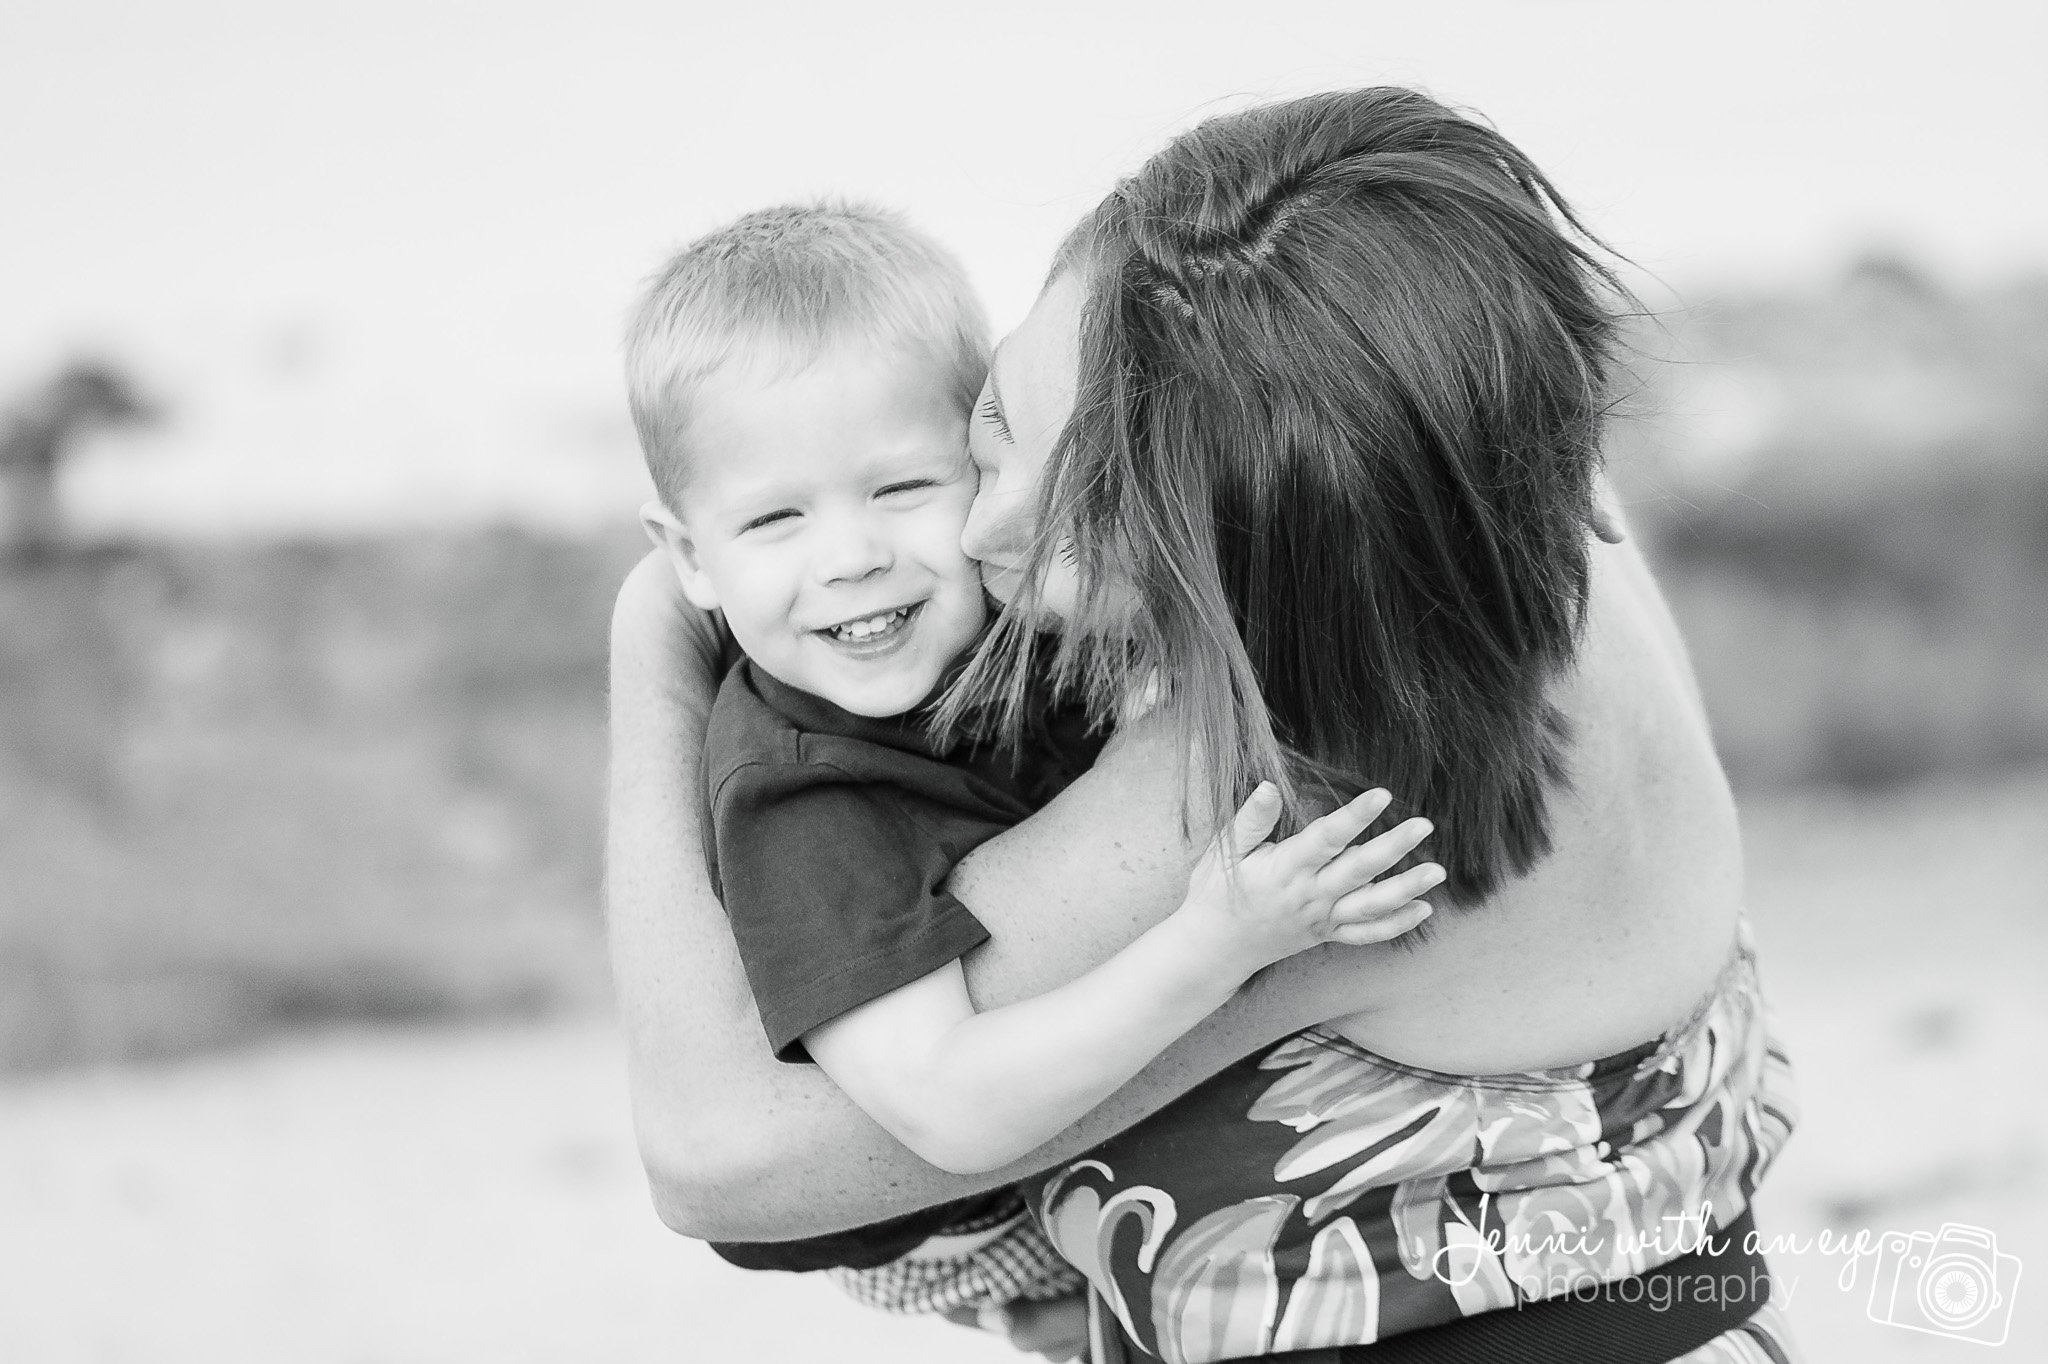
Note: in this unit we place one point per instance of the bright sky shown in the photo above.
(376, 253)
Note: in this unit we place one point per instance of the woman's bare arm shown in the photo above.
(739, 1146)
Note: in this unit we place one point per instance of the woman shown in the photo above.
(1300, 444)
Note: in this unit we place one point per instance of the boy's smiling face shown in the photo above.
(822, 513)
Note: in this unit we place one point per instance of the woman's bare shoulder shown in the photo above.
(1614, 936)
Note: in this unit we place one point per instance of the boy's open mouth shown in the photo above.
(868, 634)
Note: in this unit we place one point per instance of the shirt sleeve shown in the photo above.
(833, 892)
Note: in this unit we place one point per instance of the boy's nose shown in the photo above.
(854, 552)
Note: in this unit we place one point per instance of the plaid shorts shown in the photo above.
(998, 1257)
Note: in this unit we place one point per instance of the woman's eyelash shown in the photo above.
(993, 415)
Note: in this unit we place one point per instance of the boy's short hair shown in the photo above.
(781, 284)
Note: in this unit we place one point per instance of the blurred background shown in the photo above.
(316, 481)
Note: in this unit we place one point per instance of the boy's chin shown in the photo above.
(897, 698)
(879, 698)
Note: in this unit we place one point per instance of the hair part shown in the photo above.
(1343, 374)
(776, 288)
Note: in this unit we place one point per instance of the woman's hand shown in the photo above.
(1056, 1330)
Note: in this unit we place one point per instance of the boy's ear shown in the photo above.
(672, 538)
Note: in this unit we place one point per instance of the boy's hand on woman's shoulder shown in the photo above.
(1265, 901)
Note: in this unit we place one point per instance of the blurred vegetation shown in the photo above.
(1847, 497)
(245, 788)
(36, 435)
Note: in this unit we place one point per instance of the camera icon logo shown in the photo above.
(1954, 1282)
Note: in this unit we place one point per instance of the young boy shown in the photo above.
(801, 382)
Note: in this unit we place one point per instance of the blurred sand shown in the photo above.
(413, 1196)
(1905, 950)
(388, 1198)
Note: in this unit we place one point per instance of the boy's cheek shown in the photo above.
(749, 595)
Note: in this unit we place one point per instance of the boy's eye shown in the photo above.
(909, 485)
(768, 519)
(991, 412)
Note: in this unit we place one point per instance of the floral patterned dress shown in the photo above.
(1315, 1195)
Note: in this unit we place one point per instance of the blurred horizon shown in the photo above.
(372, 257)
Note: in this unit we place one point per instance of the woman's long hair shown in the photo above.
(1343, 368)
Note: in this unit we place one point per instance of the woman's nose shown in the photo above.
(994, 526)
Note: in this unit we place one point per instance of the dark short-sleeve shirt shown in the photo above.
(830, 835)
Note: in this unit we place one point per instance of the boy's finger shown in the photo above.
(1254, 821)
(1321, 839)
(1352, 818)
(1383, 896)
(1356, 866)
(1383, 929)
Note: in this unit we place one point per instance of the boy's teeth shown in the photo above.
(873, 625)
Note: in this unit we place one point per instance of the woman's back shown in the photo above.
(1317, 1195)
(1624, 927)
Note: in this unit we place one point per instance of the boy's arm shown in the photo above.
(739, 1146)
(974, 1091)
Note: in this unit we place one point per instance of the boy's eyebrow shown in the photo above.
(751, 497)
